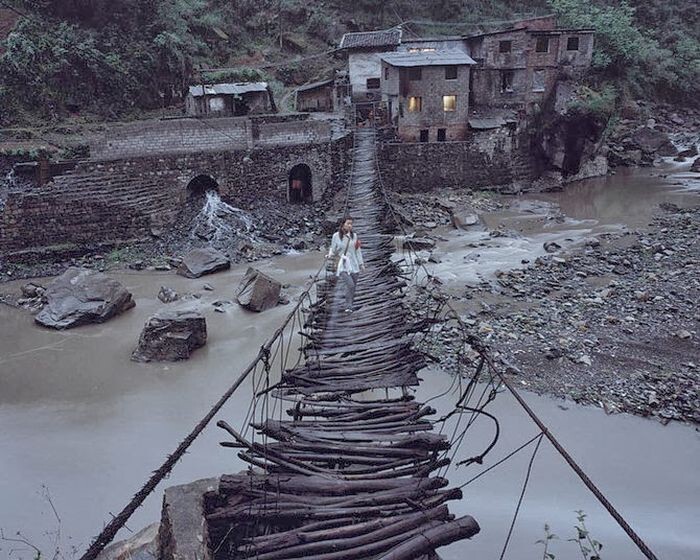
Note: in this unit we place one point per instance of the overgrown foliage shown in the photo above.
(631, 55)
(114, 58)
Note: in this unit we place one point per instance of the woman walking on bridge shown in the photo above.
(347, 247)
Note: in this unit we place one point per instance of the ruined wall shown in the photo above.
(182, 136)
(128, 199)
(486, 159)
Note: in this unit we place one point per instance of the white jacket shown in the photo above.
(350, 260)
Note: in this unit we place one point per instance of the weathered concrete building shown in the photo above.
(229, 100)
(519, 67)
(427, 93)
(364, 62)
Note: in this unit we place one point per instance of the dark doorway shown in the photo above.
(200, 186)
(424, 135)
(442, 134)
(300, 185)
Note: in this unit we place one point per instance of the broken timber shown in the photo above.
(349, 477)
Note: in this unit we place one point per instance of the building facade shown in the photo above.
(229, 100)
(364, 63)
(427, 94)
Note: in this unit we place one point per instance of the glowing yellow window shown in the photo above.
(415, 104)
(449, 103)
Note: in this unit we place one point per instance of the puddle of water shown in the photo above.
(625, 201)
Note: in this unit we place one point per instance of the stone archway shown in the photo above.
(198, 187)
(300, 184)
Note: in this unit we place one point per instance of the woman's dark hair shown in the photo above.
(340, 227)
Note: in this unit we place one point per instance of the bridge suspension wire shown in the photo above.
(476, 343)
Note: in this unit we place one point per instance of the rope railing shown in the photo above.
(444, 312)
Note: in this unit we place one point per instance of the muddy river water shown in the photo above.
(81, 423)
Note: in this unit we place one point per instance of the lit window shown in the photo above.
(538, 80)
(415, 74)
(505, 46)
(415, 104)
(572, 44)
(542, 44)
(451, 72)
(373, 83)
(449, 103)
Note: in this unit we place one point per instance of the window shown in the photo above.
(373, 83)
(538, 80)
(506, 81)
(451, 72)
(542, 44)
(415, 74)
(505, 46)
(415, 104)
(421, 49)
(572, 44)
(424, 135)
(386, 73)
(442, 134)
(449, 103)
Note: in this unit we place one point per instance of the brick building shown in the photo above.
(519, 67)
(364, 63)
(427, 94)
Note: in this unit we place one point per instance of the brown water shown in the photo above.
(77, 416)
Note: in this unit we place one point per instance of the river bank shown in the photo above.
(589, 294)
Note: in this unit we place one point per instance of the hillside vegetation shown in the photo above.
(105, 59)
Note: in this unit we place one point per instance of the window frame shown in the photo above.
(453, 68)
(419, 104)
(442, 132)
(505, 42)
(424, 132)
(568, 43)
(510, 74)
(415, 74)
(543, 73)
(545, 40)
(445, 105)
(372, 80)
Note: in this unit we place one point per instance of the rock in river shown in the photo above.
(199, 262)
(463, 221)
(170, 336)
(80, 296)
(257, 291)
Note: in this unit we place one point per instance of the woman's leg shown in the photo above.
(350, 294)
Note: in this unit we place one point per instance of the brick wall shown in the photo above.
(111, 201)
(184, 136)
(486, 159)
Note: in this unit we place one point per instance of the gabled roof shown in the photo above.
(432, 58)
(371, 39)
(228, 89)
(316, 85)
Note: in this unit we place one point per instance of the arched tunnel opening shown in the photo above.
(300, 184)
(198, 187)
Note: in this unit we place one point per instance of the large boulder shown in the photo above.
(696, 165)
(170, 336)
(199, 262)
(652, 141)
(257, 291)
(80, 296)
(463, 220)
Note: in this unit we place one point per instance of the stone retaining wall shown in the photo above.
(487, 159)
(124, 200)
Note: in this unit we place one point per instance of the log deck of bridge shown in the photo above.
(349, 475)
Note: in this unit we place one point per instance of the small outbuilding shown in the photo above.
(318, 96)
(229, 100)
